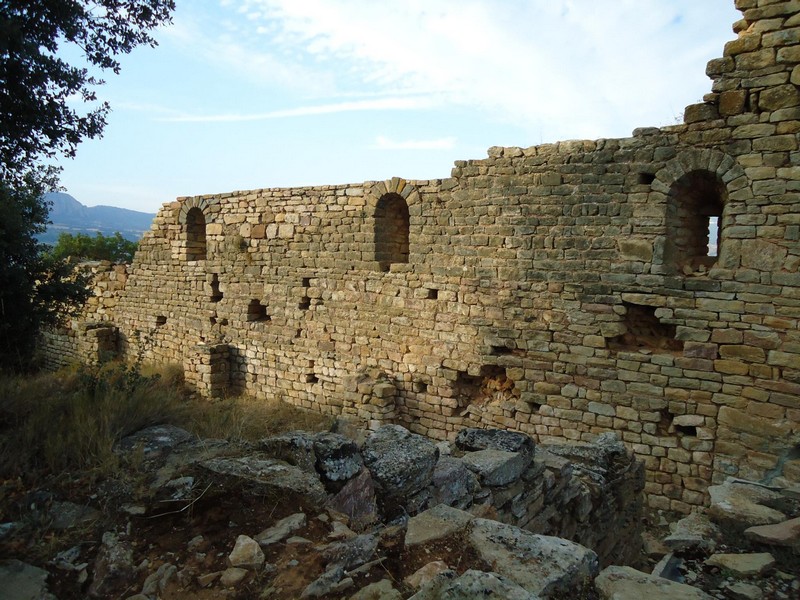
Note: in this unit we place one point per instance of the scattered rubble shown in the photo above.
(317, 523)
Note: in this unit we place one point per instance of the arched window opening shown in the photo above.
(694, 222)
(195, 234)
(391, 231)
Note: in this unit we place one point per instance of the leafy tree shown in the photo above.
(37, 123)
(81, 246)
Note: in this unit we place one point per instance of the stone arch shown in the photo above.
(391, 203)
(192, 217)
(695, 188)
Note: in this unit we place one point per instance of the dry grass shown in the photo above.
(70, 421)
(246, 418)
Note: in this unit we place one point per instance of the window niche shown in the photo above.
(645, 331)
(195, 234)
(257, 312)
(694, 211)
(392, 224)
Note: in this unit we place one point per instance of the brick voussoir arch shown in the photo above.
(189, 204)
(706, 159)
(395, 185)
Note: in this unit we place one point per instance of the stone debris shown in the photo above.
(541, 564)
(246, 554)
(271, 475)
(381, 590)
(425, 573)
(743, 565)
(232, 576)
(282, 529)
(436, 523)
(496, 467)
(742, 504)
(113, 567)
(401, 462)
(473, 584)
(786, 533)
(338, 458)
(626, 583)
(693, 532)
(21, 581)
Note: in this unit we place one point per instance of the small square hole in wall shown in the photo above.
(161, 320)
(312, 378)
(257, 311)
(686, 430)
(306, 281)
(305, 303)
(647, 178)
(433, 294)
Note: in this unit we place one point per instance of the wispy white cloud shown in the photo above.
(574, 62)
(385, 143)
(398, 103)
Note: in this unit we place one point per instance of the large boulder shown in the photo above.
(338, 459)
(541, 564)
(626, 583)
(739, 504)
(262, 474)
(453, 483)
(293, 447)
(401, 462)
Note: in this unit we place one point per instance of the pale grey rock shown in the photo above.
(246, 553)
(741, 505)
(472, 440)
(471, 585)
(380, 590)
(626, 583)
(743, 565)
(21, 581)
(453, 483)
(425, 573)
(340, 531)
(113, 567)
(325, 583)
(157, 582)
(401, 463)
(351, 553)
(153, 441)
(541, 564)
(271, 475)
(436, 523)
(745, 591)
(282, 529)
(496, 467)
(338, 458)
(294, 447)
(693, 532)
(232, 576)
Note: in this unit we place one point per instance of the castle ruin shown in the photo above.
(648, 286)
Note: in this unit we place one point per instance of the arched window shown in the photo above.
(391, 230)
(195, 234)
(694, 221)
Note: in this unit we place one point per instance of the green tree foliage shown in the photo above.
(39, 121)
(81, 246)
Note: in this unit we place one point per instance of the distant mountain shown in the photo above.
(67, 215)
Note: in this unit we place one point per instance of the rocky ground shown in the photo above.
(323, 516)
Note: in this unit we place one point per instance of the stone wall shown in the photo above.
(563, 290)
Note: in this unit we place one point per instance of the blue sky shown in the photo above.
(251, 94)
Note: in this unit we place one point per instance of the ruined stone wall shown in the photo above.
(563, 290)
(92, 337)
